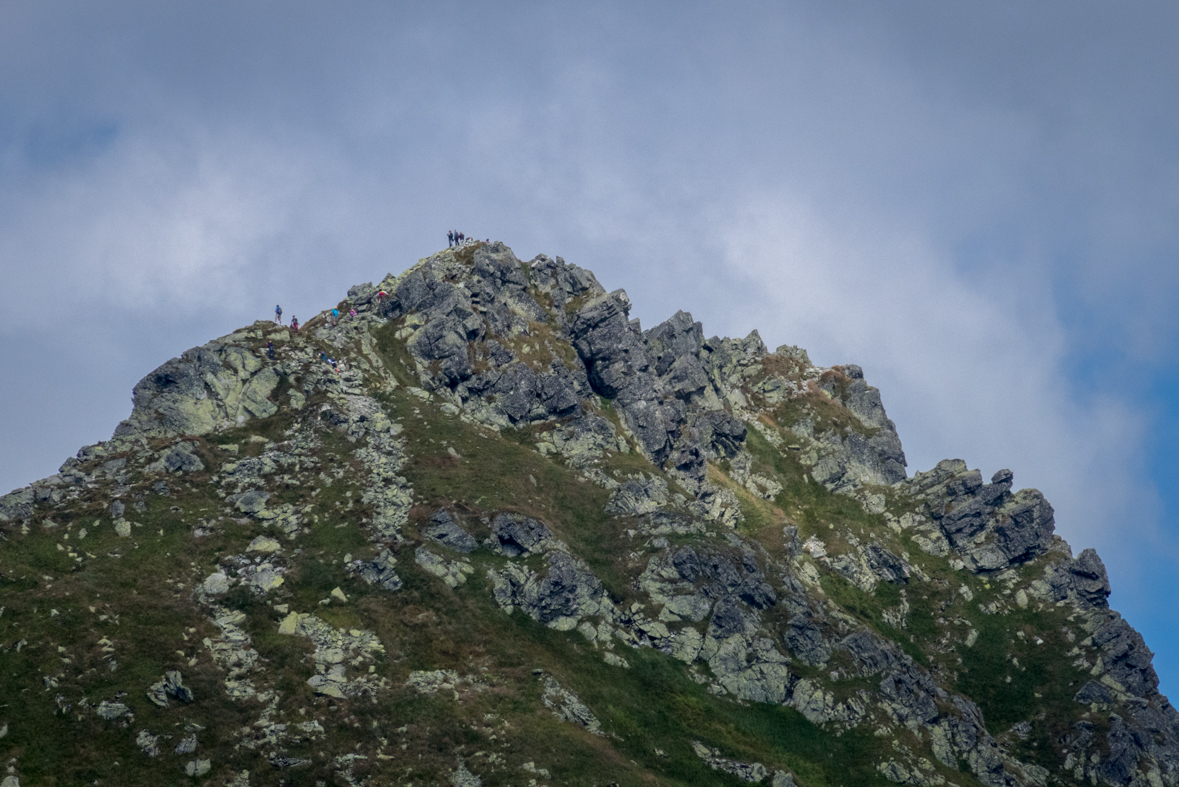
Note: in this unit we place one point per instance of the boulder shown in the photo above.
(171, 685)
(442, 529)
(515, 535)
(215, 386)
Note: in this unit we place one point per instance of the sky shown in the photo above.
(976, 202)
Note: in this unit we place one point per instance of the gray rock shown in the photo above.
(852, 459)
(148, 744)
(719, 433)
(381, 571)
(461, 777)
(990, 527)
(620, 367)
(637, 496)
(181, 459)
(250, 502)
(16, 505)
(1093, 692)
(443, 530)
(218, 385)
(728, 619)
(171, 685)
(1023, 531)
(804, 636)
(187, 745)
(444, 340)
(112, 710)
(565, 594)
(745, 771)
(910, 693)
(1089, 579)
(871, 653)
(886, 565)
(452, 572)
(216, 583)
(198, 768)
(1126, 658)
(565, 705)
(568, 592)
(515, 535)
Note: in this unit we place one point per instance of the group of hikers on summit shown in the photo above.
(278, 318)
(455, 238)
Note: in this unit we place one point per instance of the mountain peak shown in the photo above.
(481, 527)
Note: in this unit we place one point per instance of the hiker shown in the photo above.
(449, 238)
(295, 324)
(462, 238)
(380, 296)
(270, 350)
(352, 312)
(278, 314)
(335, 316)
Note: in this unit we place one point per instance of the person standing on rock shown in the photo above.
(335, 317)
(449, 238)
(270, 350)
(295, 324)
(278, 314)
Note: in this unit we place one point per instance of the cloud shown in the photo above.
(966, 371)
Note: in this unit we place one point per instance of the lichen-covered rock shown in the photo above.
(452, 572)
(216, 386)
(17, 505)
(635, 496)
(565, 705)
(745, 771)
(112, 710)
(198, 768)
(149, 744)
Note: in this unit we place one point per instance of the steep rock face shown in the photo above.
(218, 385)
(506, 515)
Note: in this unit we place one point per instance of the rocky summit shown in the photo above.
(489, 531)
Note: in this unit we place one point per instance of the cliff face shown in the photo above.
(516, 539)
